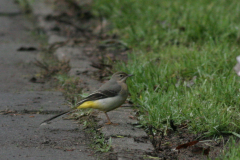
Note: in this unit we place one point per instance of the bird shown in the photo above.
(108, 97)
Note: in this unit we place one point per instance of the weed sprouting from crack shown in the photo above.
(100, 143)
(51, 69)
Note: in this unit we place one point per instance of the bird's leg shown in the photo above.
(109, 121)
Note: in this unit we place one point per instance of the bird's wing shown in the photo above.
(111, 90)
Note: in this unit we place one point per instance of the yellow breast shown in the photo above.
(89, 104)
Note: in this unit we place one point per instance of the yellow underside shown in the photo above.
(89, 104)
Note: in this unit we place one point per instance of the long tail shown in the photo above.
(56, 116)
(80, 106)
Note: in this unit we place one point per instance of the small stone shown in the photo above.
(8, 7)
(67, 53)
(56, 39)
(46, 25)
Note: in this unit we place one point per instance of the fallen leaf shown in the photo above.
(206, 151)
(27, 49)
(185, 145)
(7, 112)
(35, 80)
(131, 117)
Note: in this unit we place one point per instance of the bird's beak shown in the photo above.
(130, 75)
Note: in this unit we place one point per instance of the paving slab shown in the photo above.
(47, 26)
(56, 39)
(125, 146)
(33, 101)
(9, 7)
(40, 8)
(9, 53)
(10, 27)
(78, 61)
(89, 83)
(17, 153)
(128, 144)
(122, 130)
(69, 52)
(25, 139)
(80, 66)
(35, 133)
(123, 117)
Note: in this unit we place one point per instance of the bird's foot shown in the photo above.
(110, 123)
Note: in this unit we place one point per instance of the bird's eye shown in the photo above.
(121, 75)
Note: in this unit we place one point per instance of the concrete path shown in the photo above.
(127, 141)
(20, 134)
(25, 104)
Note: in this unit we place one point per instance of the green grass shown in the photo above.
(172, 42)
(211, 104)
(156, 23)
(231, 151)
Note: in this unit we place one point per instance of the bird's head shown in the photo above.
(120, 76)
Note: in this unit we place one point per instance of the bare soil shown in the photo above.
(184, 145)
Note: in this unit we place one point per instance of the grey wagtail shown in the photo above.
(109, 96)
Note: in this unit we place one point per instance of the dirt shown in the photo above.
(183, 145)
